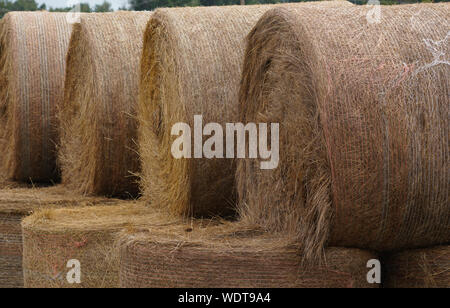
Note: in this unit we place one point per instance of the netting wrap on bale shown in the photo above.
(98, 117)
(418, 268)
(11, 275)
(17, 203)
(52, 238)
(208, 255)
(33, 46)
(363, 111)
(190, 66)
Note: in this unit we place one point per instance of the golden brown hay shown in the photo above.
(363, 111)
(98, 117)
(229, 256)
(51, 238)
(191, 65)
(32, 64)
(420, 268)
(17, 203)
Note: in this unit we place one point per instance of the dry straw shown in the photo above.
(420, 268)
(191, 65)
(32, 65)
(98, 117)
(210, 255)
(17, 203)
(53, 237)
(11, 275)
(363, 111)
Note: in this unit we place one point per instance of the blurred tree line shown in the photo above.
(140, 5)
(31, 5)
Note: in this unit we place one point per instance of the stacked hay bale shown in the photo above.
(33, 46)
(191, 65)
(54, 237)
(227, 255)
(418, 268)
(17, 203)
(96, 154)
(363, 112)
(32, 67)
(98, 116)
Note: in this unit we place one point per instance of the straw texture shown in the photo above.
(53, 237)
(191, 65)
(17, 203)
(11, 275)
(32, 67)
(98, 117)
(203, 255)
(363, 111)
(420, 268)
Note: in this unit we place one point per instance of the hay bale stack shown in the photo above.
(418, 268)
(98, 124)
(17, 203)
(191, 65)
(363, 111)
(200, 255)
(33, 46)
(53, 237)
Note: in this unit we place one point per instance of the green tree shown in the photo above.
(143, 5)
(25, 5)
(31, 5)
(3, 7)
(104, 7)
(148, 5)
(84, 7)
(18, 5)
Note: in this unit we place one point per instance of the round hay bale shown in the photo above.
(363, 112)
(32, 66)
(419, 268)
(98, 116)
(191, 65)
(199, 255)
(17, 203)
(51, 238)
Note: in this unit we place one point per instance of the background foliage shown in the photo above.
(140, 5)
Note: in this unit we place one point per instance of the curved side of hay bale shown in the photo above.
(32, 67)
(191, 66)
(18, 203)
(363, 112)
(226, 256)
(98, 117)
(419, 268)
(53, 237)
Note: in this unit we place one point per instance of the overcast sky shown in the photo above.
(64, 3)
